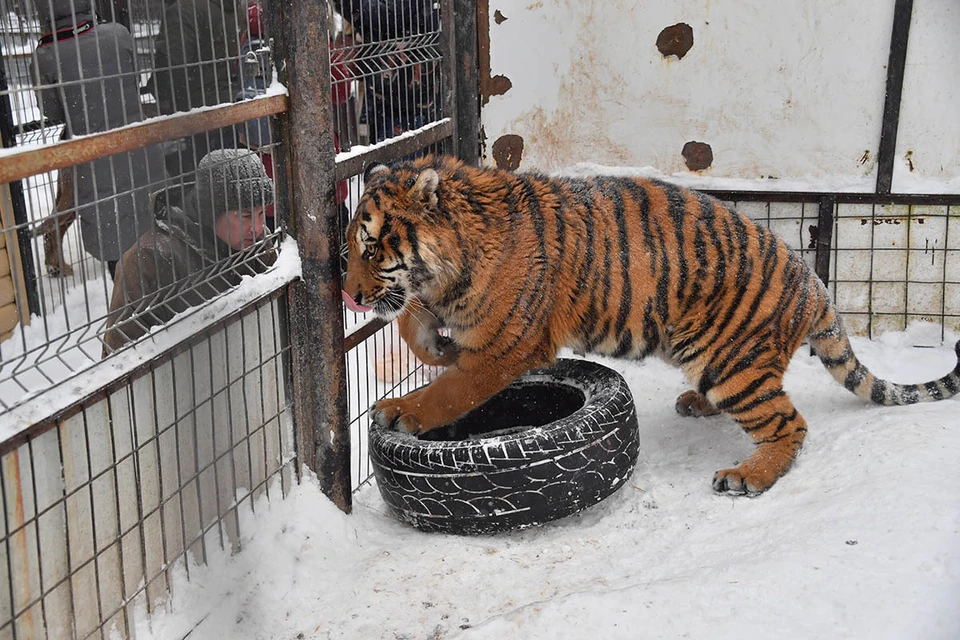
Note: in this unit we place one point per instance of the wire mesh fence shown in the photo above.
(890, 264)
(154, 468)
(893, 264)
(387, 76)
(158, 464)
(71, 71)
(130, 480)
(385, 68)
(103, 506)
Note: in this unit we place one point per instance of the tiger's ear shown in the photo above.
(373, 169)
(425, 188)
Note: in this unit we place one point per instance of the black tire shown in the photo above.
(492, 471)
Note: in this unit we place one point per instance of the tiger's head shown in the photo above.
(394, 245)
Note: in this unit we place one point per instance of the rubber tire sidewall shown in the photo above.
(521, 479)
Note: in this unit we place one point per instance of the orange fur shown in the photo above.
(519, 265)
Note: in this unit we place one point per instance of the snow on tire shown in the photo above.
(554, 442)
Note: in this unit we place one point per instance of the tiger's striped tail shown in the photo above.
(831, 344)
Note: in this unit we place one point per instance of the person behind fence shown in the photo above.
(195, 252)
(403, 92)
(194, 68)
(85, 77)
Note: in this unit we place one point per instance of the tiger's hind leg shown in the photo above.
(691, 403)
(768, 416)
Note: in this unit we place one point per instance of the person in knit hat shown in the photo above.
(196, 251)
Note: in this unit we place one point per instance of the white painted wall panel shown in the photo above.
(929, 135)
(784, 90)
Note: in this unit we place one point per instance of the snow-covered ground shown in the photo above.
(860, 540)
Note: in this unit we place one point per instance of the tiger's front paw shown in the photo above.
(395, 413)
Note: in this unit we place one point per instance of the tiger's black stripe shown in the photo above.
(519, 265)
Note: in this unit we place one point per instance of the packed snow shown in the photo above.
(860, 540)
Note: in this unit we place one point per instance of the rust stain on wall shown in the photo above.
(675, 40)
(489, 86)
(508, 152)
(577, 128)
(697, 155)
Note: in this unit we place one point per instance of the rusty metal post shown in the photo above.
(467, 78)
(448, 44)
(316, 322)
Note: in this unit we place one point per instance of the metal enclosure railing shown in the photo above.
(120, 467)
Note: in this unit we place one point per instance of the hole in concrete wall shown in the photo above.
(508, 151)
(498, 17)
(675, 40)
(697, 155)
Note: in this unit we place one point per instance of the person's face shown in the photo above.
(240, 229)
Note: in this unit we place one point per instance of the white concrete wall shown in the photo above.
(787, 90)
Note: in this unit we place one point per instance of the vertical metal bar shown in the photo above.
(448, 45)
(906, 269)
(282, 332)
(891, 107)
(218, 510)
(319, 382)
(824, 237)
(467, 121)
(157, 430)
(66, 528)
(231, 443)
(943, 289)
(185, 543)
(135, 446)
(873, 254)
(115, 472)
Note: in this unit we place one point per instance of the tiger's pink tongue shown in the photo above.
(352, 305)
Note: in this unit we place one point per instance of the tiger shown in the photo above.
(516, 266)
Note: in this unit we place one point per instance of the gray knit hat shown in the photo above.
(232, 180)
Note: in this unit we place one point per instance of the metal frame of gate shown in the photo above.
(147, 482)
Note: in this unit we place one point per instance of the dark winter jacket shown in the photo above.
(193, 70)
(178, 265)
(192, 32)
(86, 77)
